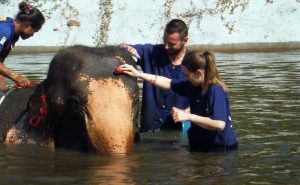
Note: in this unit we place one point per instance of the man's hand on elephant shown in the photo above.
(123, 45)
(179, 115)
(130, 49)
(130, 70)
(22, 81)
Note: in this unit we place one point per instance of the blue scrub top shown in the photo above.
(7, 37)
(157, 103)
(214, 104)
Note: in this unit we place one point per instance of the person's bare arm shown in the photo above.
(20, 80)
(4, 71)
(3, 85)
(158, 81)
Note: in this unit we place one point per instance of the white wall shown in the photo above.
(106, 22)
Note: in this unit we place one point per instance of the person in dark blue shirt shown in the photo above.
(164, 60)
(28, 21)
(211, 128)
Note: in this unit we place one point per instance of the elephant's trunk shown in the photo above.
(110, 125)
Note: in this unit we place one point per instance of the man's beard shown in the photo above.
(173, 52)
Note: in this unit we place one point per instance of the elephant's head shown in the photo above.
(90, 107)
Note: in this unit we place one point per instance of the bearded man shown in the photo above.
(162, 60)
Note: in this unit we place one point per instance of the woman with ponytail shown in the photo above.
(28, 21)
(211, 128)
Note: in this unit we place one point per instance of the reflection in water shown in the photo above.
(116, 171)
(265, 106)
(210, 168)
(35, 165)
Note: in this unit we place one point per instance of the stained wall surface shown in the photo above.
(213, 22)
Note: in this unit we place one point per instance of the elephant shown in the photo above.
(81, 105)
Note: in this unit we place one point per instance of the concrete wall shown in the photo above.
(211, 22)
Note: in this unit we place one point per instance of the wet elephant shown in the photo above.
(88, 108)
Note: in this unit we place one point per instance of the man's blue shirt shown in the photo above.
(157, 103)
(7, 37)
(214, 104)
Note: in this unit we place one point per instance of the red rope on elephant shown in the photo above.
(34, 121)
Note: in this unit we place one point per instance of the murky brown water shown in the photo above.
(265, 103)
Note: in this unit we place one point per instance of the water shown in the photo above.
(265, 104)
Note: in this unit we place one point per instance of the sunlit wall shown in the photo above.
(106, 22)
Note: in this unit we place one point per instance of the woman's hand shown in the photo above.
(130, 70)
(179, 115)
(22, 81)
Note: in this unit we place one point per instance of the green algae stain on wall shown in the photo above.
(105, 14)
(70, 14)
(168, 8)
(4, 2)
(222, 8)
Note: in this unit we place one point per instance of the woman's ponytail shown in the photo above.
(206, 61)
(211, 72)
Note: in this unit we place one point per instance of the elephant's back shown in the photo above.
(12, 107)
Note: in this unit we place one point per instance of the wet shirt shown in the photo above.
(157, 103)
(214, 104)
(7, 38)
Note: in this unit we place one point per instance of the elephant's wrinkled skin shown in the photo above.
(88, 107)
